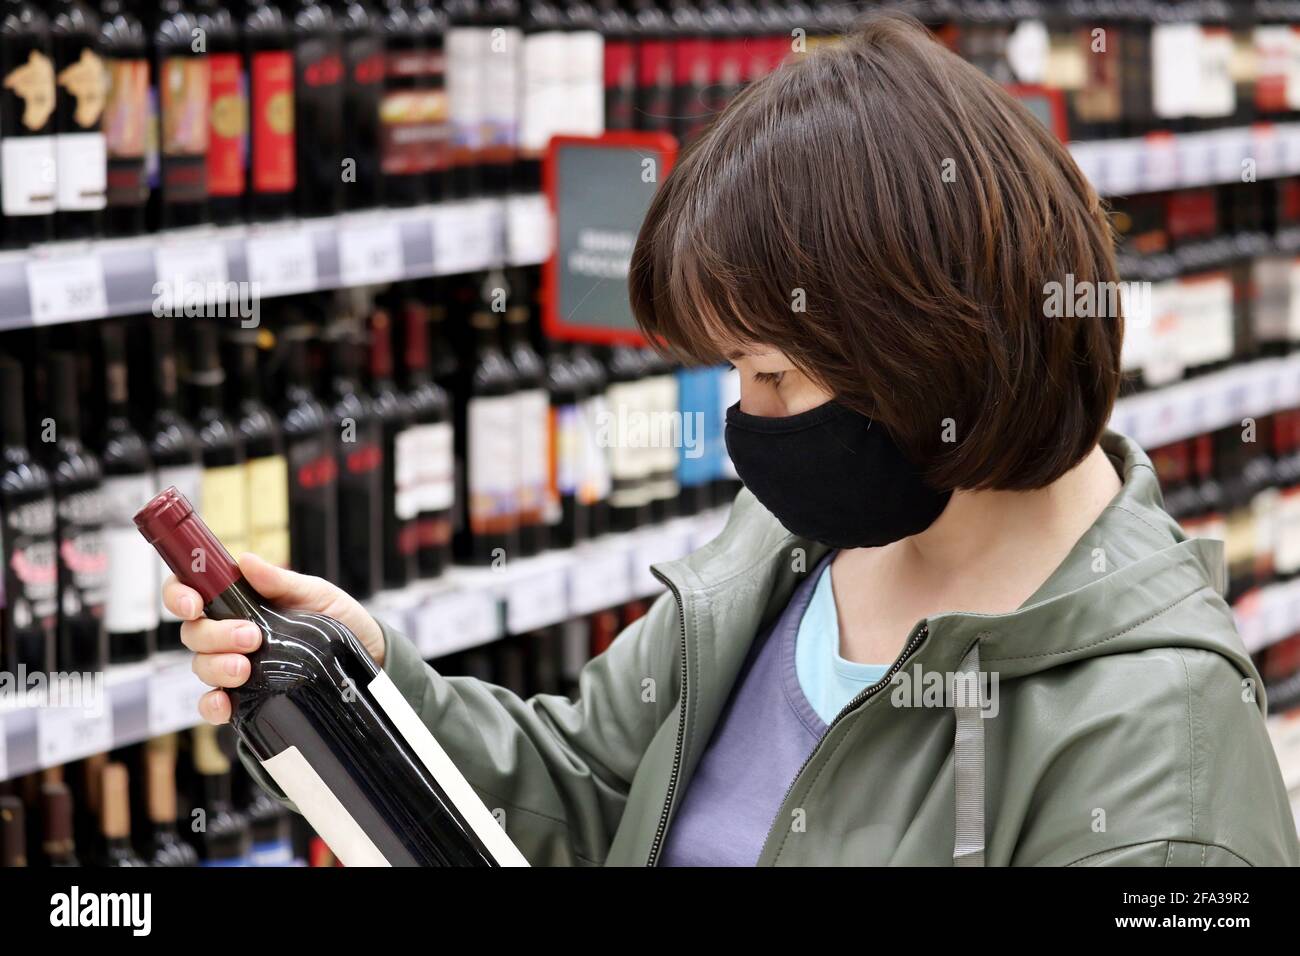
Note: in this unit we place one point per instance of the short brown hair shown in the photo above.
(923, 299)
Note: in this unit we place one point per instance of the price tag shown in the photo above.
(282, 263)
(600, 578)
(66, 289)
(1231, 149)
(466, 238)
(1088, 157)
(1265, 150)
(191, 271)
(536, 599)
(528, 230)
(64, 734)
(455, 620)
(371, 254)
(174, 694)
(1122, 162)
(1289, 143)
(1159, 161)
(1194, 160)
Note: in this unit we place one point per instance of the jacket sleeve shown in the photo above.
(558, 769)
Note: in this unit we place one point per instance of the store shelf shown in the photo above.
(74, 281)
(1209, 402)
(465, 608)
(1159, 161)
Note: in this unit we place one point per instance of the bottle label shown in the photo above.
(82, 165)
(126, 123)
(620, 85)
(131, 603)
(31, 572)
(414, 129)
(584, 82)
(274, 159)
(406, 494)
(27, 175)
(542, 104)
(465, 48)
(435, 467)
(493, 441)
(1273, 67)
(32, 84)
(1286, 548)
(565, 458)
(314, 473)
(83, 561)
(532, 416)
(655, 82)
(224, 492)
(228, 125)
(596, 479)
(268, 508)
(184, 128)
(499, 79)
(188, 480)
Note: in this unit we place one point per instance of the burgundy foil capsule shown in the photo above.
(195, 555)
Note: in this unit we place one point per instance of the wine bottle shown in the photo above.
(227, 112)
(309, 440)
(467, 43)
(361, 459)
(318, 107)
(13, 832)
(58, 844)
(541, 88)
(595, 482)
(115, 818)
(27, 155)
(499, 80)
(659, 386)
(692, 71)
(264, 462)
(165, 847)
(180, 90)
(79, 511)
(272, 159)
(81, 161)
(399, 469)
(125, 51)
(328, 725)
(173, 448)
(224, 482)
(132, 599)
(431, 444)
(224, 839)
(29, 617)
(399, 126)
(532, 415)
(363, 87)
(630, 464)
(584, 71)
(429, 22)
(620, 54)
(654, 81)
(566, 513)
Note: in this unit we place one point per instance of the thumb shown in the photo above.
(280, 584)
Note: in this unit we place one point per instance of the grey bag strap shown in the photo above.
(968, 751)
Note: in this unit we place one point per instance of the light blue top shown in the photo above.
(827, 679)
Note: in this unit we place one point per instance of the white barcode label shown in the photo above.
(282, 263)
(66, 289)
(174, 694)
(64, 734)
(370, 255)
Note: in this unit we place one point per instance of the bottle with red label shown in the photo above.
(318, 108)
(125, 51)
(620, 65)
(654, 67)
(429, 21)
(727, 52)
(228, 112)
(363, 87)
(692, 69)
(179, 99)
(272, 153)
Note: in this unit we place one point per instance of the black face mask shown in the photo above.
(831, 475)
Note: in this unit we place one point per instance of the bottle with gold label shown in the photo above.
(267, 472)
(224, 485)
(228, 112)
(26, 124)
(272, 161)
(81, 160)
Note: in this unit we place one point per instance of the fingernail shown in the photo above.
(232, 666)
(247, 636)
(189, 607)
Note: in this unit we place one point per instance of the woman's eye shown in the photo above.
(768, 378)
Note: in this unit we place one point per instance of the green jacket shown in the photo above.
(1127, 725)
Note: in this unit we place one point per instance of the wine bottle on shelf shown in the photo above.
(595, 482)
(309, 439)
(660, 389)
(466, 44)
(227, 112)
(532, 415)
(431, 442)
(173, 448)
(654, 81)
(361, 459)
(224, 840)
(697, 401)
(29, 616)
(566, 512)
(58, 844)
(115, 818)
(272, 157)
(27, 106)
(692, 66)
(318, 107)
(363, 85)
(125, 50)
(13, 832)
(79, 147)
(132, 599)
(429, 22)
(165, 847)
(264, 463)
(499, 79)
(78, 478)
(180, 90)
(541, 88)
(630, 463)
(620, 55)
(583, 80)
(269, 825)
(399, 126)
(328, 725)
(400, 467)
(223, 486)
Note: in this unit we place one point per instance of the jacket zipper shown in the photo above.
(918, 637)
(655, 847)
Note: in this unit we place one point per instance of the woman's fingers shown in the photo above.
(284, 587)
(221, 670)
(205, 636)
(181, 600)
(214, 707)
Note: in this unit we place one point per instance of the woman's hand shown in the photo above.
(220, 646)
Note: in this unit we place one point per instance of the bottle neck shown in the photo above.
(12, 420)
(187, 545)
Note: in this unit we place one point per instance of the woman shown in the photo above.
(932, 502)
